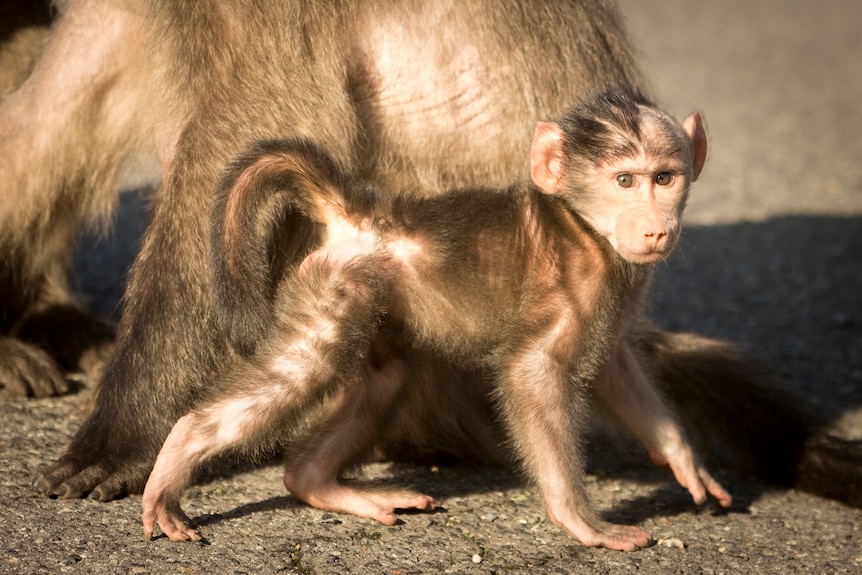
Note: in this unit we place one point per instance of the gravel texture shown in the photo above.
(770, 258)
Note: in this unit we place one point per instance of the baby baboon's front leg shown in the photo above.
(627, 392)
(545, 409)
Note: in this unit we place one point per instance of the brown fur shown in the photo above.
(514, 285)
(123, 88)
(192, 84)
(24, 29)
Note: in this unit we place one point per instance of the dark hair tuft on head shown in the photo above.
(595, 125)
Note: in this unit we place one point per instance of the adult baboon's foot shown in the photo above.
(27, 370)
(60, 341)
(103, 480)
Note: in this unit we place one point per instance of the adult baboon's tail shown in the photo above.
(724, 397)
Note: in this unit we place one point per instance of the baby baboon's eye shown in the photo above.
(625, 180)
(664, 178)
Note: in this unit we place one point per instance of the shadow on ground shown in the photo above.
(788, 289)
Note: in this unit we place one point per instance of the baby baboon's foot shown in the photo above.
(593, 532)
(360, 499)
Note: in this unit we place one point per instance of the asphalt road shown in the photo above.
(770, 258)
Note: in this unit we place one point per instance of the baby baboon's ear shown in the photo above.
(546, 157)
(696, 130)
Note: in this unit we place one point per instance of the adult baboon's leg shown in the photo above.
(64, 134)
